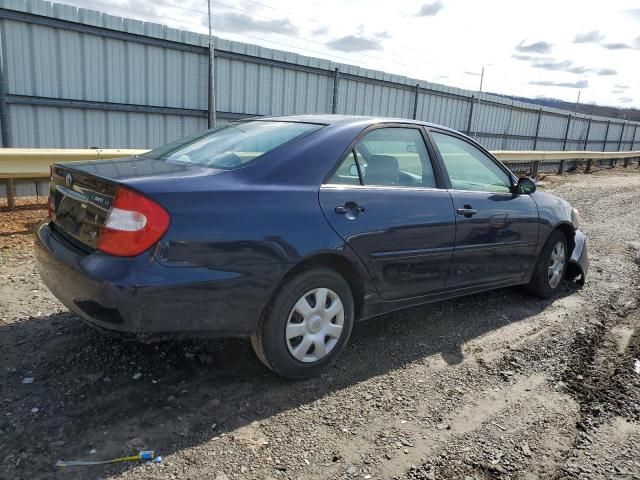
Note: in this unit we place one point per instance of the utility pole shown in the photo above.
(475, 124)
(211, 106)
(577, 102)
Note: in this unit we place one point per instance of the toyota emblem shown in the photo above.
(69, 179)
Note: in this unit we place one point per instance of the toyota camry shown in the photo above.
(286, 230)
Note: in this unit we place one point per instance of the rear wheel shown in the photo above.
(307, 325)
(550, 266)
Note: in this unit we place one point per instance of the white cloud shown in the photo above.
(525, 49)
(430, 9)
(535, 47)
(352, 43)
(550, 83)
(594, 36)
(241, 22)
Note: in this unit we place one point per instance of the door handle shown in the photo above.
(349, 207)
(467, 211)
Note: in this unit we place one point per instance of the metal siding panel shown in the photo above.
(614, 136)
(93, 68)
(277, 92)
(58, 63)
(18, 61)
(325, 98)
(116, 85)
(96, 131)
(462, 114)
(264, 80)
(173, 79)
(156, 80)
(250, 90)
(289, 92)
(72, 128)
(236, 86)
(300, 92)
(24, 126)
(136, 73)
(222, 80)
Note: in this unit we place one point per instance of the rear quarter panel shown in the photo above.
(252, 226)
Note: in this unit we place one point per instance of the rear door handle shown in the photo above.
(349, 207)
(467, 211)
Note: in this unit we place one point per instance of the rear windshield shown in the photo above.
(232, 145)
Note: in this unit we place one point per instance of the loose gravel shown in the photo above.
(495, 385)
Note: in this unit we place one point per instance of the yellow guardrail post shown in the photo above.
(11, 193)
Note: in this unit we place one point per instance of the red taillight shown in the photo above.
(133, 224)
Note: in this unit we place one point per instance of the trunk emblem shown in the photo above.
(68, 179)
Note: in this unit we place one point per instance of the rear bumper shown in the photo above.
(579, 261)
(142, 297)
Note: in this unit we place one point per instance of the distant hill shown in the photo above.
(586, 108)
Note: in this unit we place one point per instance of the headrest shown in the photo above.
(382, 170)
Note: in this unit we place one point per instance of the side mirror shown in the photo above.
(525, 186)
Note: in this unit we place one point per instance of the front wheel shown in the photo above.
(307, 325)
(550, 266)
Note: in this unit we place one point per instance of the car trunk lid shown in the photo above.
(83, 193)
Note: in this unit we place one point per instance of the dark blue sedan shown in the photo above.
(288, 229)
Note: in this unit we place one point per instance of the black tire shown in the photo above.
(270, 343)
(540, 284)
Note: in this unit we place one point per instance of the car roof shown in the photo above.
(327, 119)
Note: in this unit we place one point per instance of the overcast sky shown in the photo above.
(533, 48)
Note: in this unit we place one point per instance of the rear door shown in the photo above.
(496, 230)
(384, 200)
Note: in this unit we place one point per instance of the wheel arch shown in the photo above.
(569, 232)
(334, 261)
(573, 269)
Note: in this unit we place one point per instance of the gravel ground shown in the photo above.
(496, 385)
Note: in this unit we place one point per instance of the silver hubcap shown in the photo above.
(314, 325)
(556, 265)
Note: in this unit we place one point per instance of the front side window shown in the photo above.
(388, 157)
(469, 168)
(232, 145)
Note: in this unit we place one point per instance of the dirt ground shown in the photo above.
(496, 385)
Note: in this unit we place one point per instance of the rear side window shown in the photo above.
(347, 173)
(231, 146)
(468, 167)
(392, 156)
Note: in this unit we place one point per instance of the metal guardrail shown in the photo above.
(533, 162)
(34, 163)
(524, 156)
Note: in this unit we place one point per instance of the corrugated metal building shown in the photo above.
(73, 77)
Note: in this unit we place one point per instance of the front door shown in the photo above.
(496, 230)
(384, 201)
